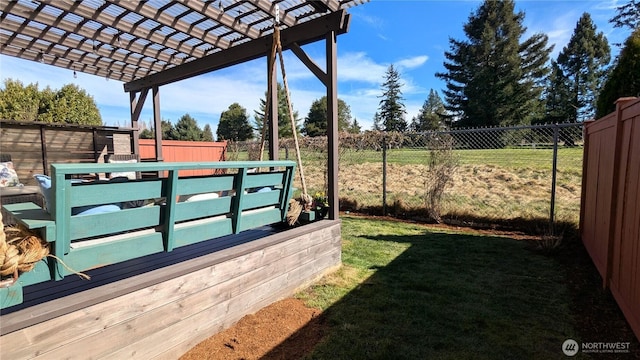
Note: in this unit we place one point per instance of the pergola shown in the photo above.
(150, 43)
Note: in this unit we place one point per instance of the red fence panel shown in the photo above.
(599, 151)
(185, 151)
(610, 213)
(625, 272)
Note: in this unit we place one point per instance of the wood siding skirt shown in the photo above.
(162, 313)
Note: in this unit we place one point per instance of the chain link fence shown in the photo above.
(484, 174)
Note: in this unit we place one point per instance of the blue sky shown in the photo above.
(410, 34)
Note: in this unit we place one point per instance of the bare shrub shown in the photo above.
(233, 150)
(439, 174)
(253, 150)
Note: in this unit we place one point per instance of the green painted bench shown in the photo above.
(243, 200)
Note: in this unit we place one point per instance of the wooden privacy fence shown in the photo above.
(610, 210)
(35, 146)
(185, 151)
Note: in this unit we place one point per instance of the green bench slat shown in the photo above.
(187, 186)
(95, 194)
(203, 208)
(204, 230)
(85, 226)
(259, 217)
(258, 200)
(11, 296)
(263, 180)
(105, 253)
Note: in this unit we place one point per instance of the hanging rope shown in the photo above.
(272, 68)
(20, 250)
(306, 199)
(305, 202)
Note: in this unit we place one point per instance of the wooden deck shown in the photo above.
(161, 305)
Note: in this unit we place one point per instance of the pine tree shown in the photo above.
(234, 124)
(187, 129)
(355, 127)
(431, 115)
(284, 122)
(207, 134)
(624, 80)
(493, 78)
(584, 62)
(315, 123)
(377, 122)
(168, 131)
(557, 95)
(391, 108)
(627, 15)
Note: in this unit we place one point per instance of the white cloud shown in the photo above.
(357, 66)
(412, 62)
(371, 20)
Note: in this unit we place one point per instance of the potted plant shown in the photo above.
(320, 204)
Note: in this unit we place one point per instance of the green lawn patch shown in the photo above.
(409, 292)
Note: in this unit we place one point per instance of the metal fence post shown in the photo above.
(553, 179)
(384, 175)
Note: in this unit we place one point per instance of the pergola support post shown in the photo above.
(332, 124)
(136, 103)
(157, 120)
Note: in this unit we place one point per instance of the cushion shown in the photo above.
(131, 175)
(205, 196)
(93, 209)
(44, 182)
(8, 175)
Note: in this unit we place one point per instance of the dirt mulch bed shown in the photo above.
(271, 333)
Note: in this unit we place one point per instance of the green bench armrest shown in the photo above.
(33, 217)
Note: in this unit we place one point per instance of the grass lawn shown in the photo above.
(407, 291)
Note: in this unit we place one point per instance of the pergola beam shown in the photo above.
(300, 34)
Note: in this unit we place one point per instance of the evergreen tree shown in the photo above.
(187, 129)
(584, 62)
(207, 134)
(624, 80)
(377, 122)
(557, 95)
(284, 122)
(146, 134)
(69, 104)
(627, 15)
(431, 114)
(391, 108)
(74, 106)
(234, 124)
(19, 102)
(47, 105)
(493, 78)
(355, 127)
(168, 131)
(316, 122)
